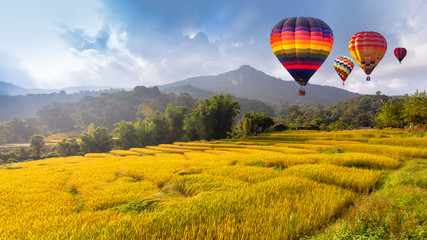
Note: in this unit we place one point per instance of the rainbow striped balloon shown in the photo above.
(301, 44)
(367, 48)
(343, 66)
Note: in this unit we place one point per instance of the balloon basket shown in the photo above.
(368, 78)
(301, 92)
(343, 83)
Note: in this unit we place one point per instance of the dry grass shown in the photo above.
(273, 186)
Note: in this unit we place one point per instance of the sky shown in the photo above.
(127, 43)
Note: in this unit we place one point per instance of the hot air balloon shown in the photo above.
(367, 48)
(343, 65)
(301, 44)
(400, 54)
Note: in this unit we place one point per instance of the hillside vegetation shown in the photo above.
(273, 186)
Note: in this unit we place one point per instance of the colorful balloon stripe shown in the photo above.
(302, 45)
(400, 53)
(367, 49)
(343, 66)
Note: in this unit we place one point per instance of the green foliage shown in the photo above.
(143, 132)
(159, 128)
(126, 134)
(175, 117)
(415, 108)
(414, 173)
(254, 123)
(411, 111)
(164, 127)
(393, 213)
(19, 129)
(67, 148)
(96, 140)
(390, 114)
(338, 125)
(213, 118)
(37, 143)
(396, 211)
(56, 117)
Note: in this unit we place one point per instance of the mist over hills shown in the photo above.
(248, 82)
(10, 89)
(243, 83)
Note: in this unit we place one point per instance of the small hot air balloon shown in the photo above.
(301, 44)
(367, 49)
(343, 66)
(400, 54)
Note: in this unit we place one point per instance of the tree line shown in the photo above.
(105, 110)
(214, 118)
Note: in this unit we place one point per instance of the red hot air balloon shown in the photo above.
(367, 49)
(400, 54)
(301, 44)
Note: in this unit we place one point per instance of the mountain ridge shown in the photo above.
(248, 82)
(10, 89)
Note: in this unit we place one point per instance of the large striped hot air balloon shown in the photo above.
(367, 48)
(400, 54)
(301, 44)
(343, 66)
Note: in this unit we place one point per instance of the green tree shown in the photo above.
(253, 123)
(67, 148)
(55, 116)
(159, 128)
(317, 121)
(175, 117)
(390, 114)
(213, 118)
(294, 114)
(126, 134)
(415, 108)
(143, 132)
(338, 125)
(37, 143)
(96, 140)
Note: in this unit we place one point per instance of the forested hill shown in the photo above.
(110, 108)
(247, 82)
(22, 106)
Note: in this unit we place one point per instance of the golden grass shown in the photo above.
(274, 186)
(168, 149)
(196, 148)
(98, 155)
(145, 151)
(360, 180)
(364, 160)
(413, 142)
(392, 151)
(294, 206)
(330, 142)
(124, 152)
(315, 147)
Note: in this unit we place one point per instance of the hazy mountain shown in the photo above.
(11, 89)
(247, 82)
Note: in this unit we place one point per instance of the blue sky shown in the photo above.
(55, 44)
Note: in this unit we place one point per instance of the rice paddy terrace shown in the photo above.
(275, 186)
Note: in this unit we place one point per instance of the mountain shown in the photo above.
(11, 89)
(247, 82)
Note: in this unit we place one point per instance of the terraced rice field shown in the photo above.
(274, 186)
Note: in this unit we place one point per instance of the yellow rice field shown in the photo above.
(273, 186)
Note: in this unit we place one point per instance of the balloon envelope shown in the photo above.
(301, 44)
(400, 53)
(367, 49)
(343, 66)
